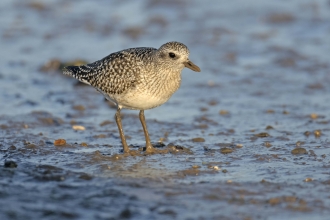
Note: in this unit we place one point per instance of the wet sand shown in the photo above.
(247, 138)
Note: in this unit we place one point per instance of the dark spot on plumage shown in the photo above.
(163, 55)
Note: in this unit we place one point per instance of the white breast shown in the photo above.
(141, 100)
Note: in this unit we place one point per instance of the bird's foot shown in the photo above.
(132, 153)
(151, 150)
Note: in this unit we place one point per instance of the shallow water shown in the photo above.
(262, 93)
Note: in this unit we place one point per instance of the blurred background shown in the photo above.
(257, 115)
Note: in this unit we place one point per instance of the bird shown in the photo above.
(138, 78)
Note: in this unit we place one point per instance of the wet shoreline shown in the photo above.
(247, 138)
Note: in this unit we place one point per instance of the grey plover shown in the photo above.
(137, 78)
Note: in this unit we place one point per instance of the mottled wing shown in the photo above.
(84, 73)
(115, 73)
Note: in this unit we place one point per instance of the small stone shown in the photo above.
(10, 164)
(103, 136)
(78, 107)
(269, 127)
(267, 144)
(198, 139)
(215, 168)
(313, 116)
(196, 167)
(12, 147)
(262, 135)
(317, 133)
(239, 145)
(308, 179)
(84, 144)
(307, 133)
(226, 150)
(59, 142)
(223, 112)
(270, 111)
(299, 150)
(274, 201)
(31, 146)
(213, 102)
(78, 127)
(225, 171)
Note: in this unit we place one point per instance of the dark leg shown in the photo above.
(149, 147)
(121, 132)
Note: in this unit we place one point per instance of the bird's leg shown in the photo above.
(121, 132)
(149, 147)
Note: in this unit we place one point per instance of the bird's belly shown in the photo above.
(141, 101)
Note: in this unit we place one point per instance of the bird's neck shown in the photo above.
(166, 81)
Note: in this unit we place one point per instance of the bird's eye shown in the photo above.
(172, 55)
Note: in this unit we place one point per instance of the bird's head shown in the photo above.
(175, 55)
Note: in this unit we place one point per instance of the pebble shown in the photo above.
(313, 116)
(12, 147)
(84, 144)
(198, 139)
(10, 164)
(59, 142)
(78, 127)
(299, 150)
(317, 133)
(269, 127)
(267, 144)
(263, 134)
(31, 146)
(78, 107)
(223, 112)
(215, 168)
(226, 150)
(307, 133)
(308, 179)
(270, 111)
(274, 201)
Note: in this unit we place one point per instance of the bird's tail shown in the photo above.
(77, 72)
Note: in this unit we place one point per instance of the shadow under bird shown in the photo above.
(137, 78)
